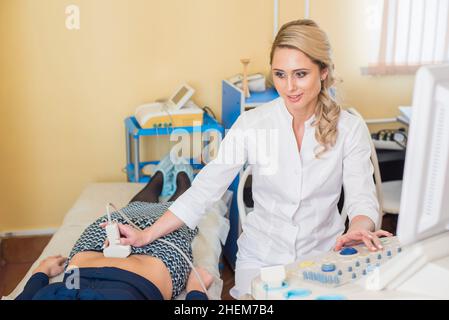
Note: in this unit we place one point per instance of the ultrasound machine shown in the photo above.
(413, 265)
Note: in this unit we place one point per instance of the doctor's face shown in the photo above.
(297, 79)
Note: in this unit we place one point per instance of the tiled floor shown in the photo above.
(228, 281)
(18, 254)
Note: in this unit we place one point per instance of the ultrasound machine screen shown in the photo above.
(424, 209)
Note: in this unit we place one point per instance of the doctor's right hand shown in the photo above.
(130, 235)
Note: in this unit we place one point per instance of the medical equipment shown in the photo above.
(390, 139)
(273, 276)
(327, 272)
(114, 249)
(421, 270)
(178, 111)
(134, 136)
(245, 63)
(119, 211)
(424, 203)
(256, 82)
(405, 114)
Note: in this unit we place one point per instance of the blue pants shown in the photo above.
(96, 284)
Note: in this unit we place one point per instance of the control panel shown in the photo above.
(329, 276)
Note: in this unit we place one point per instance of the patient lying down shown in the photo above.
(152, 272)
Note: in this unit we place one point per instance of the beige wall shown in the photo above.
(64, 94)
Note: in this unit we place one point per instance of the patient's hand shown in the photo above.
(130, 235)
(51, 266)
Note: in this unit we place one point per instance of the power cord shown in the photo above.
(209, 112)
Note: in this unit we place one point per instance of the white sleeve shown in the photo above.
(214, 179)
(358, 183)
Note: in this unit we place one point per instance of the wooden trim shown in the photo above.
(28, 233)
(2, 261)
(379, 70)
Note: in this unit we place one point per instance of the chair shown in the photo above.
(241, 206)
(389, 192)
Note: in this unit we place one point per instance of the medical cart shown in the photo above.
(133, 132)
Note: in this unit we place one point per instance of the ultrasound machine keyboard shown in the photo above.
(349, 264)
(329, 273)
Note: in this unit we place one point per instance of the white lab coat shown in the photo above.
(295, 194)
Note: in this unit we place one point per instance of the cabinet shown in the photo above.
(233, 104)
(133, 132)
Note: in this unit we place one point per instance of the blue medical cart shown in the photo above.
(133, 132)
(233, 104)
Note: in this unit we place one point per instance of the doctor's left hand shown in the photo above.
(357, 236)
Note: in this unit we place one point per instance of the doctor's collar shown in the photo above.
(286, 114)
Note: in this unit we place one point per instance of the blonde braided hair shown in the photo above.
(305, 35)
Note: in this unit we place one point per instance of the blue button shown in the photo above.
(348, 251)
(379, 256)
(297, 293)
(399, 249)
(354, 276)
(368, 260)
(340, 272)
(389, 253)
(284, 285)
(331, 297)
(322, 278)
(349, 269)
(328, 267)
(357, 264)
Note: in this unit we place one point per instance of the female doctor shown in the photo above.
(302, 148)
